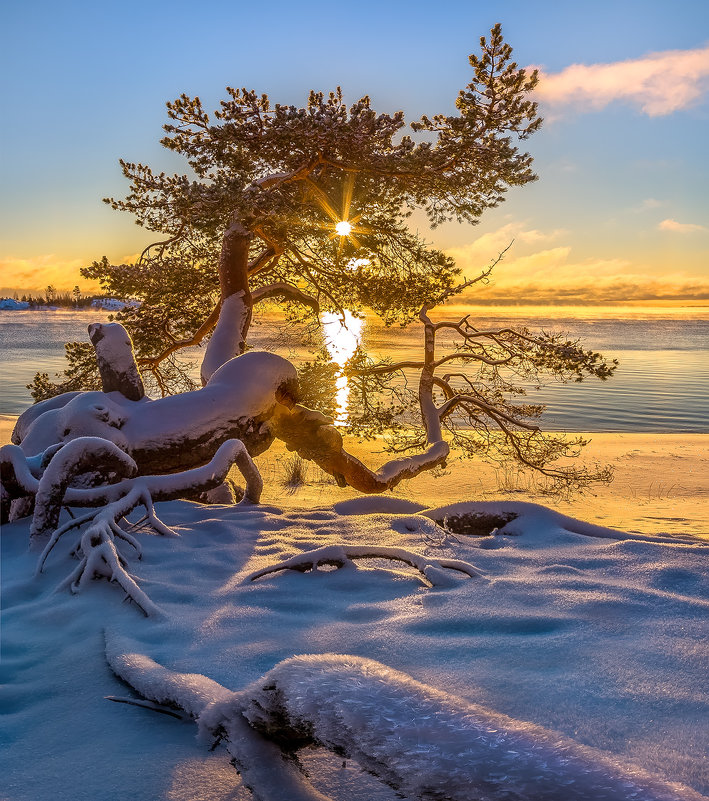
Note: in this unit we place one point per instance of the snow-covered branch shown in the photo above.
(420, 741)
(116, 361)
(264, 768)
(344, 556)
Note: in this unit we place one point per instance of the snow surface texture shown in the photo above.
(601, 640)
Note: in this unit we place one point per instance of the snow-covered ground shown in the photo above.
(603, 641)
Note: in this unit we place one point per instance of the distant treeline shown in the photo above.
(75, 299)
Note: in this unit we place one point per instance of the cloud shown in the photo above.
(552, 276)
(35, 274)
(658, 83)
(680, 228)
(477, 255)
(649, 204)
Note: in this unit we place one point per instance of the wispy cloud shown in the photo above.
(478, 254)
(649, 204)
(680, 228)
(658, 83)
(553, 276)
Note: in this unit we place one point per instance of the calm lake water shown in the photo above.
(662, 384)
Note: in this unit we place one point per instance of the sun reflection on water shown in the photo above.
(341, 339)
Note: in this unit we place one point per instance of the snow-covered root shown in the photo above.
(312, 435)
(516, 517)
(422, 742)
(172, 486)
(81, 455)
(434, 570)
(99, 557)
(16, 471)
(17, 479)
(264, 769)
(106, 521)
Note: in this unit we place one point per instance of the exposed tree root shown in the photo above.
(79, 456)
(344, 556)
(97, 551)
(312, 435)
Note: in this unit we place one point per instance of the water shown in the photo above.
(662, 383)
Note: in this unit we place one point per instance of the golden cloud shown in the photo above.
(680, 228)
(659, 83)
(36, 274)
(552, 276)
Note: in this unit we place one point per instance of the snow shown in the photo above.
(240, 394)
(9, 304)
(113, 304)
(227, 339)
(602, 641)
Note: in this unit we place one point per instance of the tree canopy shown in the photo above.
(311, 205)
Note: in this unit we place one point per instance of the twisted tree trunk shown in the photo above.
(229, 336)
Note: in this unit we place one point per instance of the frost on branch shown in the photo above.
(422, 742)
(434, 570)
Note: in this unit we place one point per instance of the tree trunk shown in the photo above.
(229, 336)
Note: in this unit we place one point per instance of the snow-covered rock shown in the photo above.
(10, 304)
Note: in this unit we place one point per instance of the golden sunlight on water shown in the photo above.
(341, 339)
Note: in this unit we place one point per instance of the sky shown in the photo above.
(620, 212)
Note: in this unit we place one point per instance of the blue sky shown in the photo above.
(620, 209)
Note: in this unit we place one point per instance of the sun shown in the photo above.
(341, 224)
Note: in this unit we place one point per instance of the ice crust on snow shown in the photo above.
(601, 640)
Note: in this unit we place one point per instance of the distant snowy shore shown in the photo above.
(105, 304)
(10, 304)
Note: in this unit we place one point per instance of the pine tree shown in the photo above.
(311, 205)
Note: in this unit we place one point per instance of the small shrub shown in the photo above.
(295, 472)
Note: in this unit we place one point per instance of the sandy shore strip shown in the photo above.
(660, 485)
